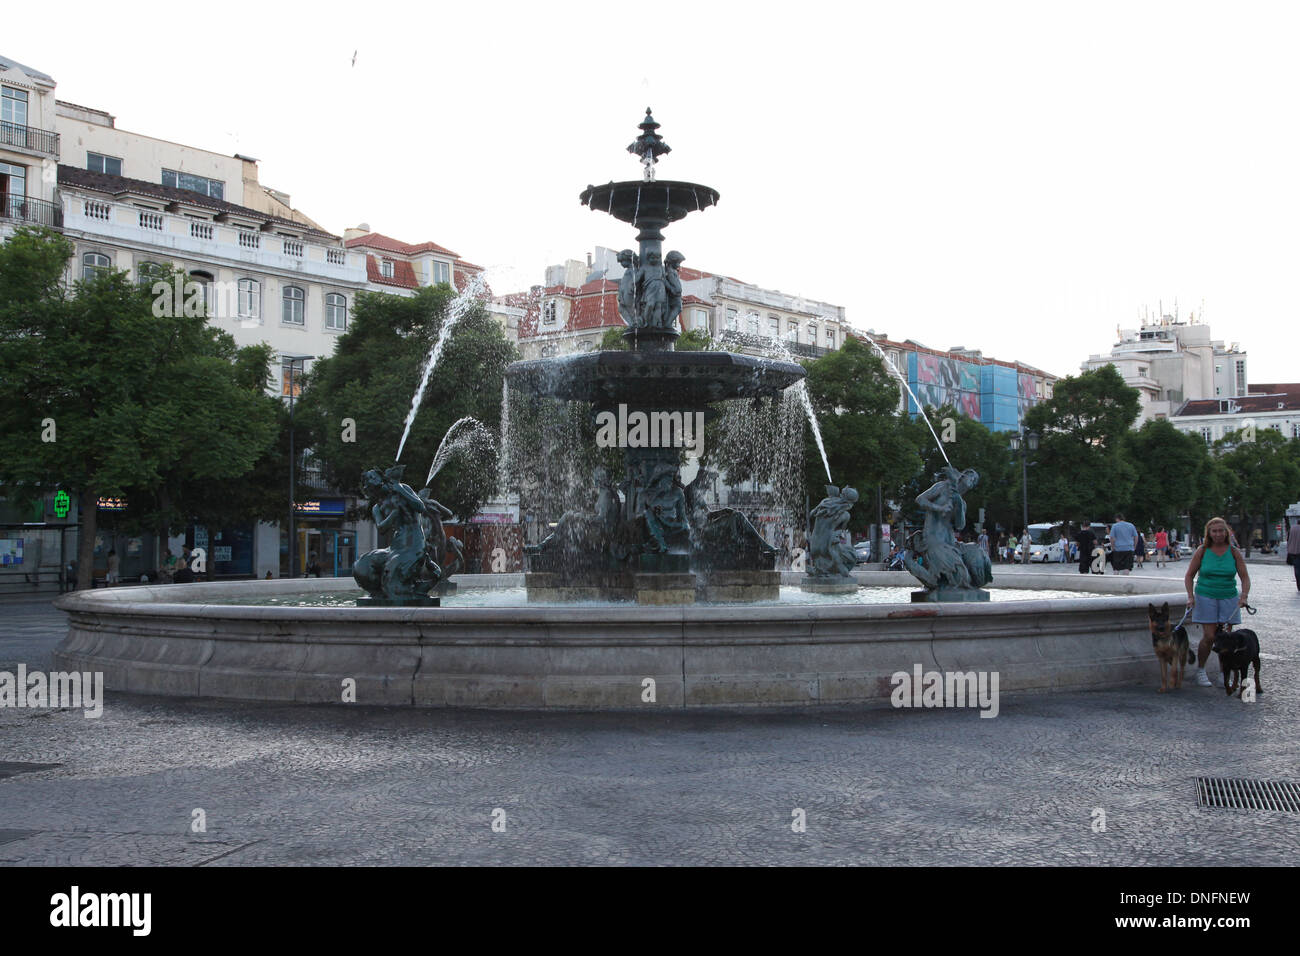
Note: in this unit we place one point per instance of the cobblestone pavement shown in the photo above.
(338, 785)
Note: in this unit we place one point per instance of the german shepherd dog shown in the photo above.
(1172, 648)
(1237, 650)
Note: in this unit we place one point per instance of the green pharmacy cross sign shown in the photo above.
(61, 504)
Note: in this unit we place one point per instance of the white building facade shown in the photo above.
(1171, 361)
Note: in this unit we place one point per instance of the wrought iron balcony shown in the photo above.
(26, 209)
(29, 137)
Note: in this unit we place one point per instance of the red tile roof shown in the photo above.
(403, 275)
(1244, 403)
(376, 240)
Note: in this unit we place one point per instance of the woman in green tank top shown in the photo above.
(1212, 588)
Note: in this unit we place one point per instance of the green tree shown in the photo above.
(867, 441)
(1175, 472)
(139, 403)
(372, 378)
(1080, 470)
(1260, 477)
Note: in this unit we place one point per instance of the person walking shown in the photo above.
(1086, 541)
(113, 564)
(1162, 547)
(1141, 553)
(1123, 539)
(1293, 550)
(1025, 546)
(1212, 588)
(1065, 546)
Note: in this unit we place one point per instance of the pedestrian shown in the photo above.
(1212, 588)
(113, 565)
(1025, 546)
(1086, 540)
(984, 542)
(1162, 547)
(1123, 539)
(1293, 550)
(1065, 546)
(1141, 552)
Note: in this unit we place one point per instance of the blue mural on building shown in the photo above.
(995, 395)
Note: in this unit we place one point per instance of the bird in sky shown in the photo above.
(354, 57)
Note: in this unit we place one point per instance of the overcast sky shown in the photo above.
(1019, 178)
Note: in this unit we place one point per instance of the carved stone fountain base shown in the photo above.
(828, 585)
(653, 588)
(945, 595)
(398, 602)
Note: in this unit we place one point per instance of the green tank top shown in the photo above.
(1218, 577)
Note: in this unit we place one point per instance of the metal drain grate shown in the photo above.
(1230, 794)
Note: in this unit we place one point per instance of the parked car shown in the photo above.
(863, 552)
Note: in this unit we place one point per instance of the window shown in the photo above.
(13, 109)
(1241, 376)
(441, 272)
(207, 281)
(830, 338)
(103, 164)
(812, 334)
(250, 299)
(792, 333)
(1208, 434)
(548, 312)
(1217, 390)
(147, 273)
(93, 262)
(1218, 369)
(774, 326)
(733, 320)
(751, 322)
(13, 182)
(292, 373)
(294, 306)
(700, 318)
(214, 188)
(336, 312)
(1295, 429)
(386, 268)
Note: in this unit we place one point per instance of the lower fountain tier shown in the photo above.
(653, 587)
(654, 378)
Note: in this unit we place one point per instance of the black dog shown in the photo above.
(1237, 650)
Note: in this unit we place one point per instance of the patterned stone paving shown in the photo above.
(283, 784)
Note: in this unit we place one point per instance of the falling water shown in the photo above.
(899, 375)
(800, 389)
(455, 311)
(503, 458)
(464, 433)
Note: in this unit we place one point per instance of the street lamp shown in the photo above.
(1024, 443)
(292, 361)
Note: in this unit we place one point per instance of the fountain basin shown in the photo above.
(172, 640)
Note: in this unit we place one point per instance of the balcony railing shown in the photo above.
(29, 137)
(26, 209)
(768, 345)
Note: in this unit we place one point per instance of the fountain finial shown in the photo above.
(649, 146)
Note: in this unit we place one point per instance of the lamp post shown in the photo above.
(1024, 443)
(292, 361)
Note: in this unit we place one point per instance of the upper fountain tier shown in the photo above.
(647, 201)
(662, 379)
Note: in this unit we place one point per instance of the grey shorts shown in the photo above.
(1210, 610)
